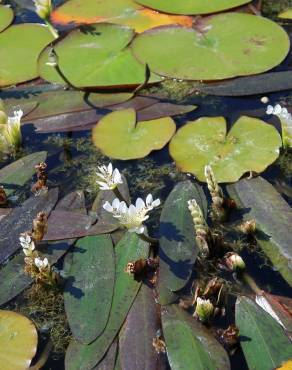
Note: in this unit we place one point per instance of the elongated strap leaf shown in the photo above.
(85, 357)
(135, 342)
(177, 251)
(273, 219)
(16, 174)
(89, 288)
(264, 343)
(189, 345)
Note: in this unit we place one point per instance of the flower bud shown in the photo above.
(248, 227)
(204, 309)
(234, 262)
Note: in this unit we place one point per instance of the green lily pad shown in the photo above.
(191, 6)
(124, 12)
(20, 47)
(264, 343)
(223, 46)
(6, 17)
(287, 14)
(188, 342)
(85, 357)
(177, 244)
(250, 145)
(16, 174)
(131, 140)
(101, 58)
(89, 288)
(18, 341)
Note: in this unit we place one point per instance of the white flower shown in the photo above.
(27, 244)
(286, 122)
(43, 8)
(10, 133)
(41, 264)
(108, 178)
(132, 217)
(204, 309)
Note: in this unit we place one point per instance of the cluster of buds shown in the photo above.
(10, 130)
(208, 301)
(40, 226)
(201, 228)
(158, 343)
(229, 337)
(36, 266)
(232, 262)
(218, 209)
(143, 269)
(40, 186)
(3, 197)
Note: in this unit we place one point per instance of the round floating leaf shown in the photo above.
(263, 341)
(223, 46)
(95, 56)
(192, 6)
(20, 47)
(131, 140)
(287, 14)
(250, 145)
(18, 341)
(124, 12)
(6, 17)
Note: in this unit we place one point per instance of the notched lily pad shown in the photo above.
(6, 17)
(20, 47)
(221, 47)
(131, 140)
(18, 341)
(250, 145)
(191, 6)
(101, 58)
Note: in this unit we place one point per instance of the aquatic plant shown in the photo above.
(44, 9)
(286, 123)
(10, 131)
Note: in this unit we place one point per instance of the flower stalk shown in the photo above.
(286, 123)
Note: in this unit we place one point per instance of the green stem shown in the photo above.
(52, 29)
(148, 239)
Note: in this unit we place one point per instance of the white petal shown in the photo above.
(116, 203)
(270, 109)
(149, 199)
(156, 203)
(277, 109)
(110, 169)
(132, 210)
(140, 203)
(123, 207)
(107, 206)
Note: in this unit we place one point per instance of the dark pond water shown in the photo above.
(72, 161)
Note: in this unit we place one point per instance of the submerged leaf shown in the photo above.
(221, 47)
(273, 218)
(89, 287)
(188, 342)
(17, 173)
(250, 145)
(264, 343)
(85, 357)
(131, 140)
(18, 341)
(177, 249)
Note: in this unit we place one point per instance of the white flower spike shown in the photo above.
(43, 8)
(108, 179)
(286, 123)
(10, 132)
(41, 264)
(132, 217)
(27, 244)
